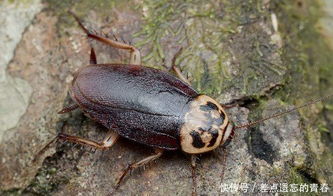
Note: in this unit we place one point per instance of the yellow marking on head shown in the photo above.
(204, 124)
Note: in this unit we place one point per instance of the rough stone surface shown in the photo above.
(13, 90)
(19, 145)
(14, 18)
(232, 50)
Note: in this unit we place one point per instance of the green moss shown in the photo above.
(82, 9)
(24, 2)
(295, 177)
(204, 30)
(11, 192)
(46, 181)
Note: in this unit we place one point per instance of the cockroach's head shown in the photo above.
(206, 126)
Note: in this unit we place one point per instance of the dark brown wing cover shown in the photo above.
(140, 103)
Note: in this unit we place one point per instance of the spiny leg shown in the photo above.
(108, 141)
(158, 153)
(135, 58)
(176, 69)
(194, 176)
(229, 105)
(93, 58)
(68, 108)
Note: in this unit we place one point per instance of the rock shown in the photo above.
(232, 50)
(14, 96)
(14, 92)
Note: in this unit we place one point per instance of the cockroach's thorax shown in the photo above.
(205, 126)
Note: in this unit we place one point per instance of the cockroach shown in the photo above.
(148, 106)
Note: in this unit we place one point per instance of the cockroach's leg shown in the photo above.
(141, 163)
(41, 152)
(194, 176)
(176, 69)
(108, 141)
(228, 106)
(68, 108)
(180, 75)
(93, 59)
(135, 53)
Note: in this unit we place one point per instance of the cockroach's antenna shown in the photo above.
(285, 112)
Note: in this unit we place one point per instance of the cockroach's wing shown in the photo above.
(131, 87)
(137, 127)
